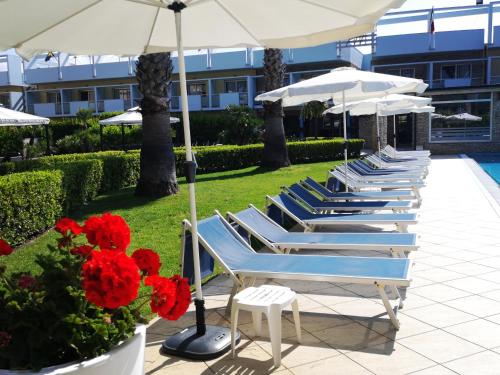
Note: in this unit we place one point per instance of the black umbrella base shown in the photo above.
(188, 344)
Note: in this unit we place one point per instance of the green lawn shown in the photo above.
(156, 224)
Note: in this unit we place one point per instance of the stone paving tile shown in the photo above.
(450, 322)
(485, 363)
(439, 315)
(434, 370)
(391, 360)
(440, 346)
(337, 365)
(476, 305)
(479, 331)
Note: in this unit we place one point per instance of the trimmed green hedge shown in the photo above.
(29, 204)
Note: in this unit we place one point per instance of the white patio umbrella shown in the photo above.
(464, 116)
(131, 116)
(9, 117)
(148, 26)
(343, 85)
(384, 106)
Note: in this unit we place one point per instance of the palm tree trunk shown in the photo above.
(157, 175)
(275, 154)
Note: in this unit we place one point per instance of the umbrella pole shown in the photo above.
(123, 138)
(345, 139)
(201, 341)
(47, 138)
(100, 136)
(378, 130)
(394, 129)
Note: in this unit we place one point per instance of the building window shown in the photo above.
(197, 88)
(235, 86)
(463, 120)
(456, 71)
(403, 72)
(121, 93)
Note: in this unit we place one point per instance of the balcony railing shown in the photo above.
(460, 134)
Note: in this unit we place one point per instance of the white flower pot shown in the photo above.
(125, 359)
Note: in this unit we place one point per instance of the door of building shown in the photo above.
(405, 131)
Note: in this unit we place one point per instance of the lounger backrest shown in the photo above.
(258, 223)
(313, 184)
(219, 239)
(304, 195)
(286, 203)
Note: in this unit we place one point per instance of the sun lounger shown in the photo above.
(365, 170)
(361, 175)
(317, 205)
(416, 153)
(244, 265)
(329, 195)
(255, 223)
(283, 204)
(377, 162)
(356, 185)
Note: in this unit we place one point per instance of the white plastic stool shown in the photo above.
(270, 300)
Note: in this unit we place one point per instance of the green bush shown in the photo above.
(82, 181)
(29, 204)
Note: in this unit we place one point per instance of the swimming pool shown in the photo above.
(490, 163)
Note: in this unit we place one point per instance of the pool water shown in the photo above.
(490, 163)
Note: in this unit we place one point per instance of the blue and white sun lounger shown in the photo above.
(329, 195)
(286, 205)
(317, 205)
(255, 223)
(391, 151)
(357, 185)
(369, 169)
(244, 265)
(362, 176)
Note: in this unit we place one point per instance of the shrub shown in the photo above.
(29, 204)
(245, 126)
(82, 181)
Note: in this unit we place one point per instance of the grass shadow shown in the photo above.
(228, 176)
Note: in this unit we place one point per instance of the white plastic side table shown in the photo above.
(269, 300)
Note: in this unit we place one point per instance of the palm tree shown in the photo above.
(157, 176)
(313, 111)
(275, 154)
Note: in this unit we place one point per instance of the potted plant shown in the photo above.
(82, 313)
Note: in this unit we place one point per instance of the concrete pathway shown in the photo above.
(450, 323)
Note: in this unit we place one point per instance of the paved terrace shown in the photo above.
(450, 323)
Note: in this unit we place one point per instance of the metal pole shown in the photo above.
(394, 131)
(123, 138)
(378, 130)
(47, 137)
(189, 155)
(100, 135)
(345, 139)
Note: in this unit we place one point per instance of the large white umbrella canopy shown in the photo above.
(464, 116)
(343, 85)
(133, 27)
(132, 116)
(9, 117)
(393, 102)
(354, 84)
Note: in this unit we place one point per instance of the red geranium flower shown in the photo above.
(5, 248)
(171, 296)
(110, 279)
(163, 296)
(66, 225)
(26, 282)
(147, 261)
(83, 251)
(108, 232)
(183, 297)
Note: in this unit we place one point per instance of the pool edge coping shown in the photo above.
(487, 184)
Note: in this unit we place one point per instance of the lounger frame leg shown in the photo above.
(296, 319)
(387, 305)
(395, 291)
(234, 325)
